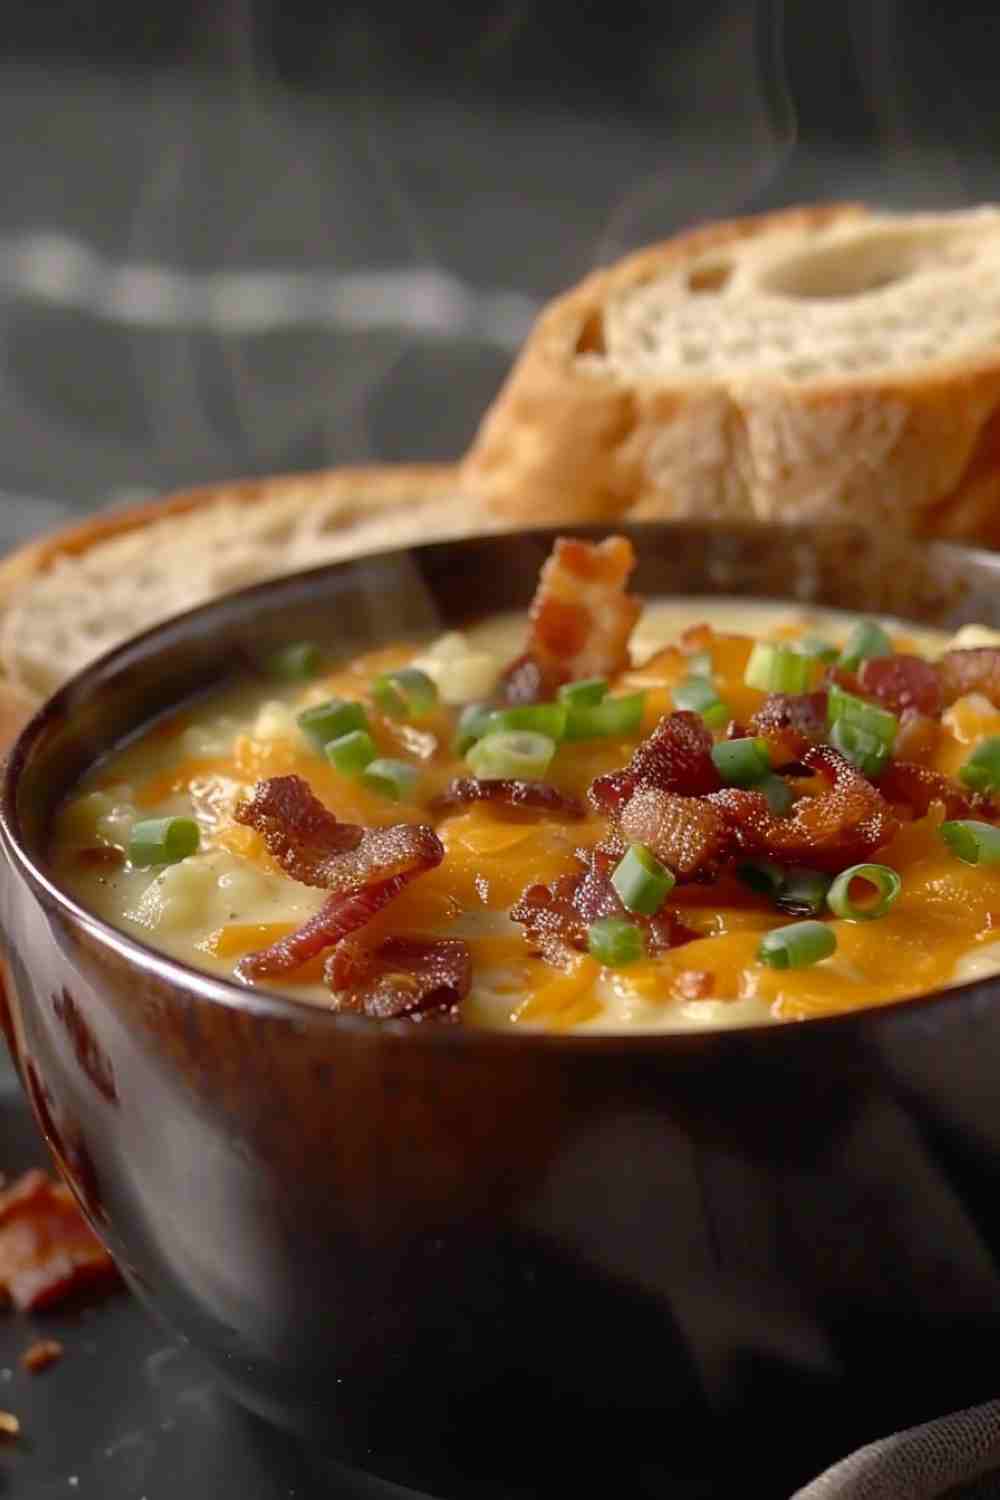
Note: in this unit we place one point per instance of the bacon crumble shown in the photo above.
(508, 793)
(42, 1353)
(676, 757)
(48, 1252)
(407, 977)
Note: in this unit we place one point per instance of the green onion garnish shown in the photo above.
(294, 663)
(351, 753)
(614, 942)
(975, 843)
(803, 892)
(981, 772)
(539, 718)
(761, 875)
(816, 648)
(882, 878)
(642, 883)
(390, 778)
(742, 762)
(330, 720)
(519, 754)
(473, 723)
(847, 707)
(864, 750)
(613, 718)
(797, 946)
(583, 694)
(699, 696)
(408, 694)
(778, 794)
(777, 669)
(866, 639)
(162, 841)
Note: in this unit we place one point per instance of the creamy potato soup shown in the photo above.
(605, 817)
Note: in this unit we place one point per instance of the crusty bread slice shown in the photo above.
(72, 595)
(818, 363)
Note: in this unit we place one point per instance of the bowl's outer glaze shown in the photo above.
(493, 1264)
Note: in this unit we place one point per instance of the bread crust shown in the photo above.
(569, 440)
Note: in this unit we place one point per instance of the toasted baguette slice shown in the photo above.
(72, 595)
(821, 363)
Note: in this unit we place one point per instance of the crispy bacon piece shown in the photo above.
(42, 1353)
(315, 848)
(47, 1250)
(407, 977)
(838, 827)
(336, 918)
(676, 757)
(688, 834)
(916, 787)
(790, 722)
(901, 682)
(975, 670)
(581, 619)
(556, 917)
(508, 793)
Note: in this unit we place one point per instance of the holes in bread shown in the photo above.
(863, 265)
(591, 340)
(710, 276)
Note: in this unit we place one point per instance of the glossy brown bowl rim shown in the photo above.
(187, 981)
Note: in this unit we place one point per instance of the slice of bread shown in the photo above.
(72, 595)
(818, 363)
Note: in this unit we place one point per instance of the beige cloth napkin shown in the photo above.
(957, 1457)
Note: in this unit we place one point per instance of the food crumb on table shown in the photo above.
(42, 1353)
(10, 1427)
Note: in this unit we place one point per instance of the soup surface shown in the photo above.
(599, 820)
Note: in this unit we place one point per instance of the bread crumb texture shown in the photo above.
(824, 363)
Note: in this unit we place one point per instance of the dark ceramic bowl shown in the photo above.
(496, 1264)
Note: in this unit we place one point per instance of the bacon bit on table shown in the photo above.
(901, 682)
(556, 917)
(47, 1250)
(581, 619)
(840, 826)
(676, 757)
(405, 977)
(42, 1353)
(508, 793)
(687, 833)
(10, 1427)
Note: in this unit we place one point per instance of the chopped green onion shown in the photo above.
(351, 753)
(803, 892)
(585, 693)
(539, 718)
(853, 710)
(473, 723)
(162, 841)
(777, 669)
(778, 793)
(330, 720)
(294, 663)
(866, 639)
(610, 719)
(742, 762)
(699, 696)
(761, 875)
(391, 778)
(797, 946)
(975, 843)
(614, 942)
(642, 883)
(883, 878)
(981, 772)
(519, 754)
(816, 648)
(864, 750)
(408, 694)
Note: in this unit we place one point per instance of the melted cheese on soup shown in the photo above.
(230, 898)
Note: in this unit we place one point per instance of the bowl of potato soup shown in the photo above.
(526, 1007)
